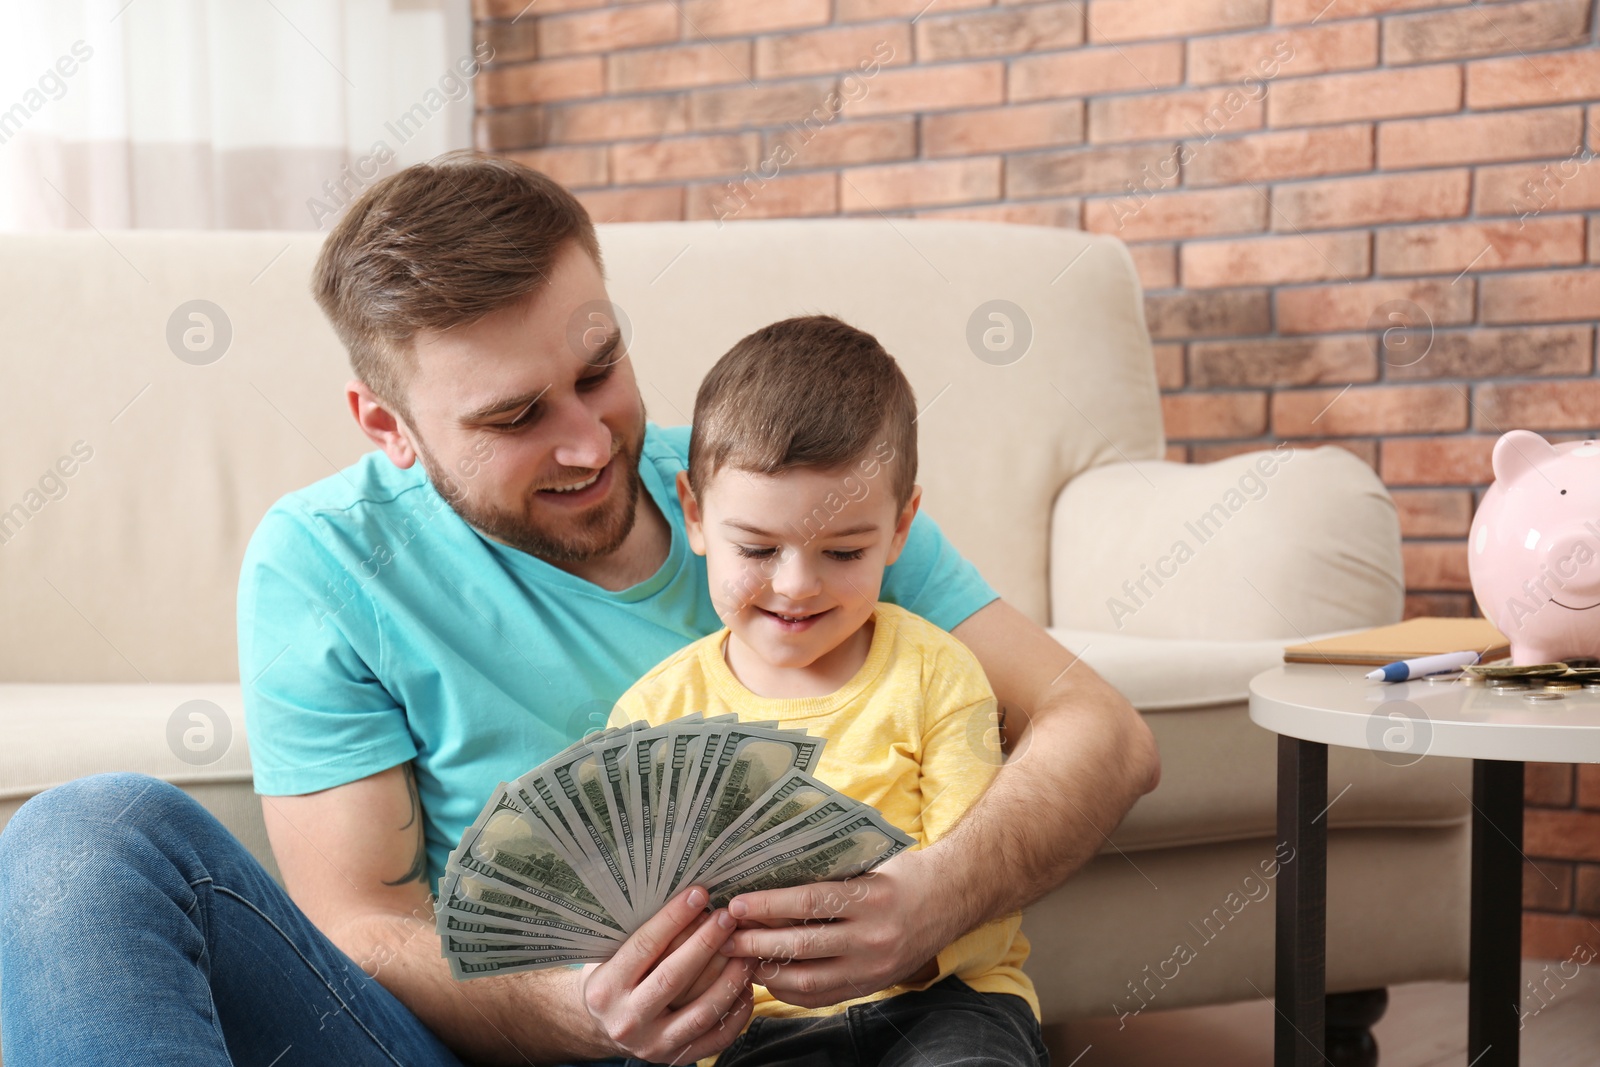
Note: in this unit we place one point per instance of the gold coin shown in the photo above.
(1532, 670)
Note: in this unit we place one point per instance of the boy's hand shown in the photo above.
(639, 997)
(836, 941)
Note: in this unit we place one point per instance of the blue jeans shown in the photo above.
(946, 1024)
(134, 928)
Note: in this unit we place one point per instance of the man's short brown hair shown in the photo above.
(805, 392)
(438, 245)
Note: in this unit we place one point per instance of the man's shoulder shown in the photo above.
(372, 480)
(667, 445)
(352, 500)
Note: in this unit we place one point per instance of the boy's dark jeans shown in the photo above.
(949, 1023)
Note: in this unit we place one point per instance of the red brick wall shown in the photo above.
(1561, 880)
(1315, 193)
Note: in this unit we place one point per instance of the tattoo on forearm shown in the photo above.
(419, 861)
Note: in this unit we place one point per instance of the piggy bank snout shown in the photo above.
(1574, 559)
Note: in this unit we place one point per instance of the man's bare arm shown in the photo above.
(353, 859)
(1079, 756)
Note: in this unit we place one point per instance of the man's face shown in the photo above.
(506, 412)
(804, 543)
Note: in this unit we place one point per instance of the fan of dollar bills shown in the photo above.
(568, 860)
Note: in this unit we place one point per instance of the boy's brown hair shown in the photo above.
(438, 245)
(805, 392)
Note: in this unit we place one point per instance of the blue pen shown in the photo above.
(1400, 670)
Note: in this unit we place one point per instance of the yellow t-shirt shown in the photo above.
(913, 734)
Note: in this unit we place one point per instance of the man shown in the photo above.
(409, 637)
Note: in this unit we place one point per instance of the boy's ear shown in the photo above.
(902, 525)
(691, 515)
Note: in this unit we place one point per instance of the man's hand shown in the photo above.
(653, 998)
(713, 968)
(836, 941)
(633, 996)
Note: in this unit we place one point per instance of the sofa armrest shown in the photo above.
(1279, 544)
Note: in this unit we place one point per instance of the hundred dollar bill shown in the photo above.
(750, 751)
(747, 767)
(610, 791)
(463, 969)
(457, 929)
(670, 776)
(466, 899)
(546, 801)
(802, 828)
(789, 798)
(507, 847)
(486, 925)
(844, 851)
(467, 947)
(505, 886)
(513, 797)
(593, 827)
(665, 759)
(648, 757)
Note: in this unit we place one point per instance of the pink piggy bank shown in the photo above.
(1534, 549)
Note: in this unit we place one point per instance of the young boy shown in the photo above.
(800, 490)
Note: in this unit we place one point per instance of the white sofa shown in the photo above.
(1046, 470)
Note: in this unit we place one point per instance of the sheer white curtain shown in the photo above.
(236, 114)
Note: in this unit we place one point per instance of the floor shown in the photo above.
(1425, 1026)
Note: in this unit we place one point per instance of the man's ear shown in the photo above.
(381, 425)
(902, 525)
(691, 515)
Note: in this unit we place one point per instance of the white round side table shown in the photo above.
(1312, 706)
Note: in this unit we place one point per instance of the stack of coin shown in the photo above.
(1538, 681)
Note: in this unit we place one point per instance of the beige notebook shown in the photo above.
(1422, 636)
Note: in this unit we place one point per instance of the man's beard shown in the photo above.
(596, 533)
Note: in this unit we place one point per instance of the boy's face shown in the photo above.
(804, 543)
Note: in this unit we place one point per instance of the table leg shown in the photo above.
(1493, 1021)
(1302, 902)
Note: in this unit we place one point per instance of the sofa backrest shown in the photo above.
(135, 462)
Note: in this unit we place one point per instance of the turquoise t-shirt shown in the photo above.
(376, 627)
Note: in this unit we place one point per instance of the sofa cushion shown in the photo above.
(1219, 769)
(1265, 544)
(55, 733)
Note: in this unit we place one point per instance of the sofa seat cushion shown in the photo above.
(1219, 769)
(57, 732)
